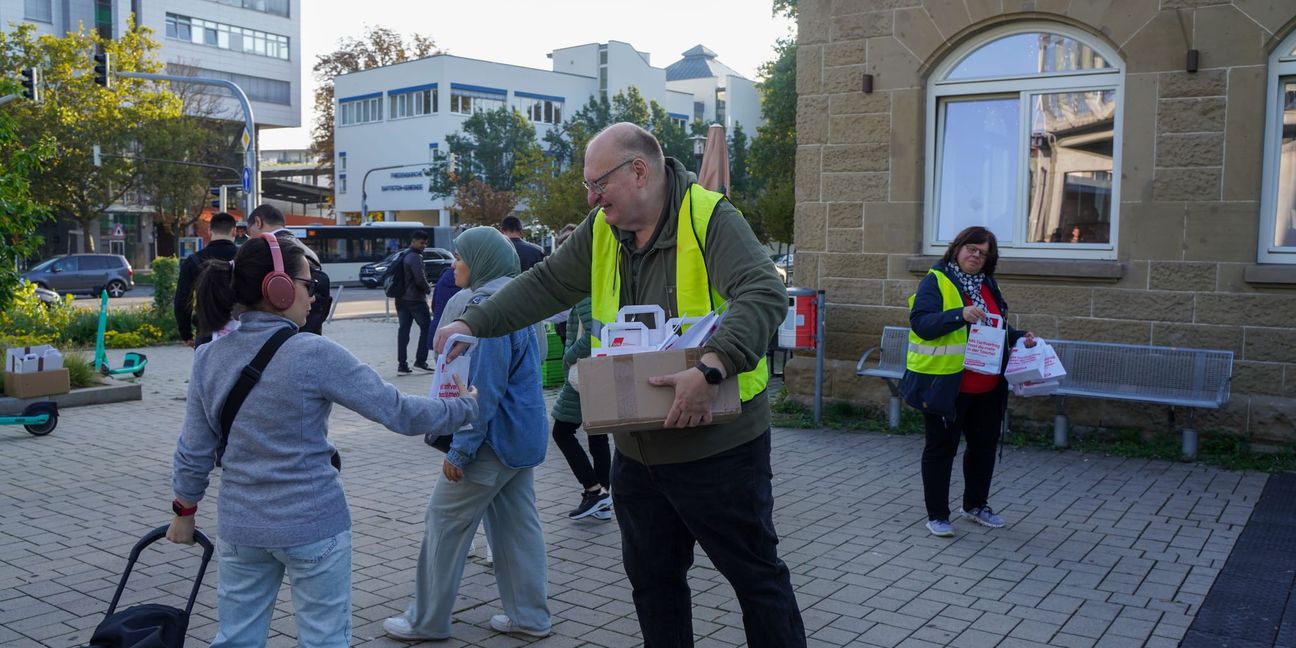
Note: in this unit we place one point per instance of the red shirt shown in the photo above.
(973, 382)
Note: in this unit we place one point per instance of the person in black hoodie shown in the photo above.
(412, 306)
(222, 248)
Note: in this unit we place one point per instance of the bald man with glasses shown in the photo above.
(655, 237)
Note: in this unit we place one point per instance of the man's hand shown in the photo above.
(444, 333)
(693, 398)
(189, 343)
(452, 472)
(1029, 338)
(464, 390)
(181, 530)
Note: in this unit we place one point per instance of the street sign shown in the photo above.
(247, 180)
(118, 231)
(247, 139)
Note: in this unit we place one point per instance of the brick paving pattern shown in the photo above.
(1098, 551)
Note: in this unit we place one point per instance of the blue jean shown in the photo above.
(725, 503)
(505, 497)
(320, 577)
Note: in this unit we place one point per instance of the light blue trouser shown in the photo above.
(320, 577)
(506, 497)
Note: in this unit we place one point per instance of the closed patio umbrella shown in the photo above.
(713, 173)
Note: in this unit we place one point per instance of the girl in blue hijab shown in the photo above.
(488, 471)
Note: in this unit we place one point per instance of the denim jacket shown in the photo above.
(510, 403)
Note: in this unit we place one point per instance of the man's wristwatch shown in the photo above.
(181, 511)
(712, 375)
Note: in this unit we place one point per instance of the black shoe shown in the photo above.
(591, 502)
(403, 369)
(422, 366)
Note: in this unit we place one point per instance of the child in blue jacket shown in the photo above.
(488, 471)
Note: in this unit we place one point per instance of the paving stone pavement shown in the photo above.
(1098, 551)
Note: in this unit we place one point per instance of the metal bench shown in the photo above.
(1173, 376)
(890, 367)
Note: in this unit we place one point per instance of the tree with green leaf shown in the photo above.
(497, 147)
(773, 152)
(19, 214)
(377, 47)
(77, 114)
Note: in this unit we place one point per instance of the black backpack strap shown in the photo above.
(248, 379)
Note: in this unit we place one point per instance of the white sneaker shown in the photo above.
(501, 623)
(605, 514)
(398, 627)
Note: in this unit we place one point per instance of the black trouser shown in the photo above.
(725, 503)
(978, 417)
(564, 436)
(407, 311)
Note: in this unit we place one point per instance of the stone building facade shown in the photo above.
(1136, 201)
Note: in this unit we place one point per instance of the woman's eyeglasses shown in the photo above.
(974, 251)
(311, 284)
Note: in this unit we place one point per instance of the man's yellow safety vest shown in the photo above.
(944, 355)
(694, 294)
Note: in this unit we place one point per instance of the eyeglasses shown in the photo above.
(311, 284)
(974, 251)
(597, 186)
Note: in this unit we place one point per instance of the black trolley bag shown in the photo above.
(149, 625)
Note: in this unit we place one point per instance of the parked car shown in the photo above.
(783, 265)
(85, 274)
(435, 261)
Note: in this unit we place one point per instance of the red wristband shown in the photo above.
(181, 511)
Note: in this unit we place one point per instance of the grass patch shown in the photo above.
(1224, 451)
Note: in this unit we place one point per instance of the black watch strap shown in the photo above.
(712, 375)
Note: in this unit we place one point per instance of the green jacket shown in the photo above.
(738, 267)
(580, 324)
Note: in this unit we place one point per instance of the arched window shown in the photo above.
(1278, 190)
(1023, 137)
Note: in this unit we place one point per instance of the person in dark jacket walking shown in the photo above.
(412, 305)
(528, 253)
(221, 248)
(960, 290)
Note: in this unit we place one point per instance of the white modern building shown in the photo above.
(392, 120)
(254, 43)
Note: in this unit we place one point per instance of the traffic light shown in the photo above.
(103, 69)
(31, 84)
(220, 204)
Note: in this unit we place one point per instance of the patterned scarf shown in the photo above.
(969, 284)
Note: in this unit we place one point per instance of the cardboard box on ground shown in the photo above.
(613, 382)
(35, 371)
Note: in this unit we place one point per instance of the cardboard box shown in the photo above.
(616, 396)
(40, 383)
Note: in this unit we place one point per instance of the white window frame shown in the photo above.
(939, 88)
(1282, 67)
(355, 111)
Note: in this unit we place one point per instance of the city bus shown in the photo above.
(343, 249)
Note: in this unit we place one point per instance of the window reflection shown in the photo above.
(1029, 53)
(1070, 167)
(978, 160)
(1285, 221)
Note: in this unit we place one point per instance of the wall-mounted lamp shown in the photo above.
(1193, 56)
(868, 84)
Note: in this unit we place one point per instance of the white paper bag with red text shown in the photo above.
(1025, 365)
(1053, 369)
(1036, 388)
(443, 377)
(985, 346)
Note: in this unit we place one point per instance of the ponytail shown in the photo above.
(226, 283)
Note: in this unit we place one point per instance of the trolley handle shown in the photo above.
(153, 536)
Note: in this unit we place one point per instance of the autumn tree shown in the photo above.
(478, 203)
(77, 114)
(378, 46)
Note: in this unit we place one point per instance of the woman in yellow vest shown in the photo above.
(957, 292)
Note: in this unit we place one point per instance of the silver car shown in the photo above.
(84, 274)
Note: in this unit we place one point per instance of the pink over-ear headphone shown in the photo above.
(277, 287)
